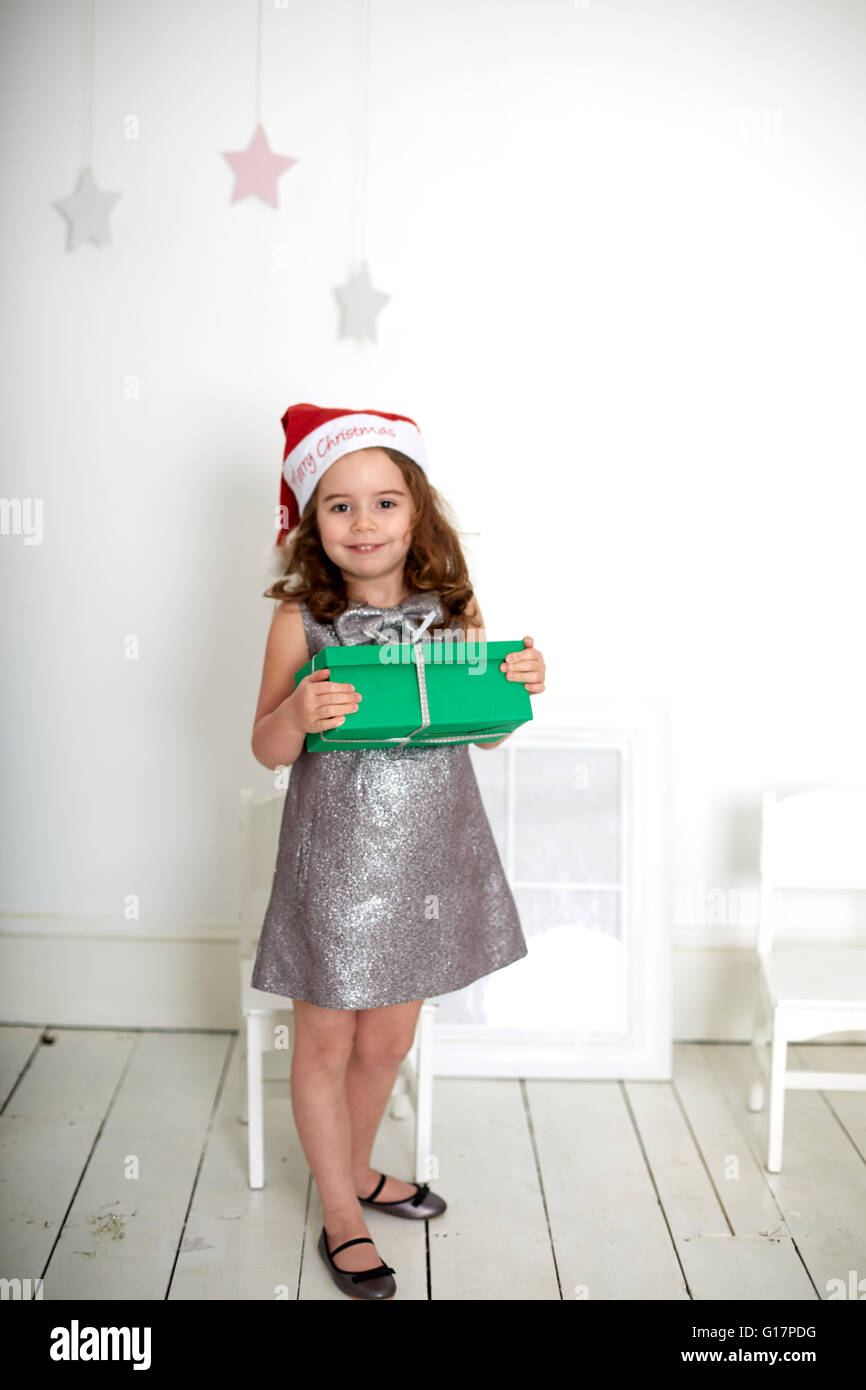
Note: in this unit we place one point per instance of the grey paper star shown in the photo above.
(360, 303)
(87, 212)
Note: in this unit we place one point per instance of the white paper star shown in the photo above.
(87, 212)
(360, 303)
(257, 169)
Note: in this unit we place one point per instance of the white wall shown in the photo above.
(624, 244)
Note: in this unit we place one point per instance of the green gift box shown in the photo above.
(421, 693)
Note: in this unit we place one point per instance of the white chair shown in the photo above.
(266, 1019)
(813, 839)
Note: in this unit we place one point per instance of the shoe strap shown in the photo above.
(371, 1274)
(418, 1197)
(377, 1189)
(359, 1240)
(421, 1190)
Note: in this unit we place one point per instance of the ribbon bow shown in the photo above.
(363, 624)
(407, 621)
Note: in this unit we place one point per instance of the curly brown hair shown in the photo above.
(435, 558)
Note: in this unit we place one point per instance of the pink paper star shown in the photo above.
(257, 169)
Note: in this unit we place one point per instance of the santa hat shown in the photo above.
(317, 437)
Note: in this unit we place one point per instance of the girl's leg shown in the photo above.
(323, 1040)
(382, 1039)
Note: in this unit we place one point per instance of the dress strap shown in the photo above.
(307, 619)
(318, 635)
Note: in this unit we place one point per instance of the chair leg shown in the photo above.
(255, 1101)
(424, 1097)
(776, 1118)
(760, 1038)
(244, 1115)
(400, 1106)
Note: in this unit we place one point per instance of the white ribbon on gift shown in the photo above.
(396, 740)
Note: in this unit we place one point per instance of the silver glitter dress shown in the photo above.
(388, 885)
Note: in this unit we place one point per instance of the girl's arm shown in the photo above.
(276, 740)
(475, 633)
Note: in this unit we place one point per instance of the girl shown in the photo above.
(369, 837)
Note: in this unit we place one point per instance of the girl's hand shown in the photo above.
(319, 703)
(527, 666)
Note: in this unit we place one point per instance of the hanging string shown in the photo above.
(259, 70)
(90, 95)
(364, 133)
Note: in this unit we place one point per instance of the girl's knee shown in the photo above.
(384, 1036)
(377, 1046)
(325, 1035)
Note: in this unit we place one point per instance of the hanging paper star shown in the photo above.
(360, 303)
(87, 212)
(257, 169)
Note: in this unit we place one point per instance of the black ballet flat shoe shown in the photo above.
(363, 1283)
(420, 1207)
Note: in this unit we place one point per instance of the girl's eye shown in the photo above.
(387, 501)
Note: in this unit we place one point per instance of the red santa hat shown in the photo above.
(316, 437)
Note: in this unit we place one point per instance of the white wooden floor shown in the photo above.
(123, 1166)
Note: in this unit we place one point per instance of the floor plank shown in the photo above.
(738, 1177)
(821, 1190)
(240, 1242)
(686, 1191)
(493, 1241)
(121, 1235)
(744, 1268)
(47, 1133)
(18, 1046)
(608, 1229)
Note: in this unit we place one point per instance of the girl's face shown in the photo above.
(364, 510)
